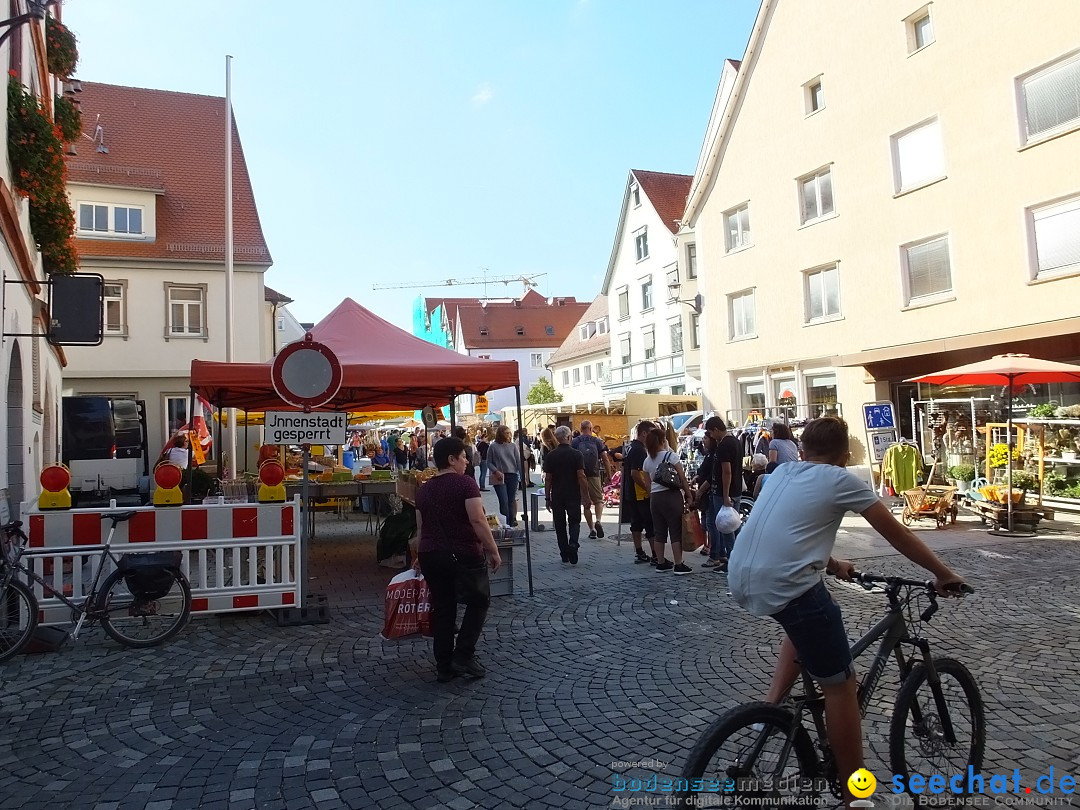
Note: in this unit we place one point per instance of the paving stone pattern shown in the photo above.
(608, 662)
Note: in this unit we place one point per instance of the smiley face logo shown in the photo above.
(862, 783)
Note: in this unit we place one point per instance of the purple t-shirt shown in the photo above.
(444, 519)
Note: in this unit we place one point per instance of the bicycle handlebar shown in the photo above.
(960, 588)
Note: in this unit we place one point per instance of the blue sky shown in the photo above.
(396, 142)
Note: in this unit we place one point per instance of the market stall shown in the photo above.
(383, 368)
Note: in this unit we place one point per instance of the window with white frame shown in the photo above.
(822, 294)
(691, 260)
(926, 268)
(624, 349)
(600, 372)
(815, 195)
(624, 302)
(646, 294)
(587, 330)
(918, 156)
(186, 308)
(741, 315)
(537, 359)
(102, 218)
(588, 373)
(114, 318)
(737, 228)
(577, 375)
(814, 95)
(1050, 98)
(635, 195)
(648, 336)
(1057, 238)
(920, 29)
(566, 377)
(602, 326)
(695, 331)
(675, 329)
(641, 243)
(672, 278)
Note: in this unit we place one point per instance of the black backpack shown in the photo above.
(150, 576)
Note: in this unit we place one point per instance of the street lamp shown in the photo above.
(37, 11)
(696, 303)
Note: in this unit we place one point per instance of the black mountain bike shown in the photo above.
(778, 755)
(146, 600)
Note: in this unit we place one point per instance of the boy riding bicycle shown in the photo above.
(775, 570)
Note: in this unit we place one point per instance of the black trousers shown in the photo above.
(566, 515)
(451, 581)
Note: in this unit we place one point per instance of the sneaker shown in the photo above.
(642, 557)
(599, 530)
(665, 566)
(682, 568)
(592, 534)
(652, 561)
(573, 556)
(565, 557)
(471, 667)
(710, 564)
(721, 568)
(445, 675)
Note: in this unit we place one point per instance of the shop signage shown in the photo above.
(481, 405)
(294, 427)
(306, 374)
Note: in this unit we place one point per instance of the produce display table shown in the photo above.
(1025, 517)
(326, 491)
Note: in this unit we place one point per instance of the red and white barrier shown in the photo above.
(236, 556)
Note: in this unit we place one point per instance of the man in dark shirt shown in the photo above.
(725, 486)
(635, 510)
(565, 487)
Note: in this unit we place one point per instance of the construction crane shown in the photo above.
(528, 281)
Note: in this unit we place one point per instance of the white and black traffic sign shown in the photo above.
(294, 427)
(306, 374)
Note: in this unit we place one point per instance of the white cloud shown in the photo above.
(483, 95)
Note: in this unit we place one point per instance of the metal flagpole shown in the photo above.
(229, 251)
(524, 490)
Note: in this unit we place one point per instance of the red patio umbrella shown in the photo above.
(1011, 371)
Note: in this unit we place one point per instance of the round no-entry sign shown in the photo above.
(306, 374)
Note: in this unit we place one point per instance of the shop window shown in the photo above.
(751, 396)
(821, 392)
(1057, 238)
(1050, 99)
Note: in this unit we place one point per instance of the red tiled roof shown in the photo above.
(172, 143)
(534, 315)
(667, 193)
(574, 347)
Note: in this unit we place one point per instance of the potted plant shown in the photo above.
(963, 475)
(1024, 481)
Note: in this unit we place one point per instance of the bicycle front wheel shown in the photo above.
(18, 618)
(755, 754)
(137, 622)
(918, 742)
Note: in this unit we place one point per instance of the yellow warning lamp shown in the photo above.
(167, 478)
(271, 474)
(54, 480)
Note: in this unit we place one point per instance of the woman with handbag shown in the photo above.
(454, 540)
(504, 464)
(669, 493)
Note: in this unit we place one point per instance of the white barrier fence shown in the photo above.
(236, 556)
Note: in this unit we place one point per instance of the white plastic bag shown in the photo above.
(728, 520)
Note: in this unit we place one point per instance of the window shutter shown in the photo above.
(1057, 236)
(1052, 98)
(928, 268)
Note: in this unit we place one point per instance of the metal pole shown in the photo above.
(524, 492)
(453, 411)
(229, 249)
(305, 539)
(191, 449)
(1009, 442)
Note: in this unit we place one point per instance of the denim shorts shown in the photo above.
(816, 628)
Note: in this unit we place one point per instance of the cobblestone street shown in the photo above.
(608, 662)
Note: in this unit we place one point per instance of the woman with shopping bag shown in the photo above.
(454, 540)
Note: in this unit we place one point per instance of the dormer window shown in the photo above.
(110, 220)
(548, 330)
(520, 331)
(602, 326)
(483, 331)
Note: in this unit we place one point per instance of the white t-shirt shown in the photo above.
(789, 537)
(651, 464)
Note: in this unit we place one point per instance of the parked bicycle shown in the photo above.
(146, 600)
(778, 755)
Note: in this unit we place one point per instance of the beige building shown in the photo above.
(582, 364)
(894, 189)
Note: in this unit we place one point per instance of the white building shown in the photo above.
(581, 365)
(528, 329)
(150, 214)
(283, 328)
(651, 291)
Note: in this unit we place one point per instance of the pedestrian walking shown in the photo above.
(504, 463)
(566, 488)
(596, 458)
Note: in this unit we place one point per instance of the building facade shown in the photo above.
(899, 205)
(150, 216)
(651, 290)
(582, 364)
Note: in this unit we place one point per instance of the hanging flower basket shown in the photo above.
(68, 118)
(61, 48)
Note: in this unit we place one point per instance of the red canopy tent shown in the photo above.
(385, 368)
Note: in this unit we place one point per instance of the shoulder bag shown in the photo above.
(667, 474)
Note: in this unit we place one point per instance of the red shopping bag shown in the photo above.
(403, 603)
(693, 535)
(423, 607)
